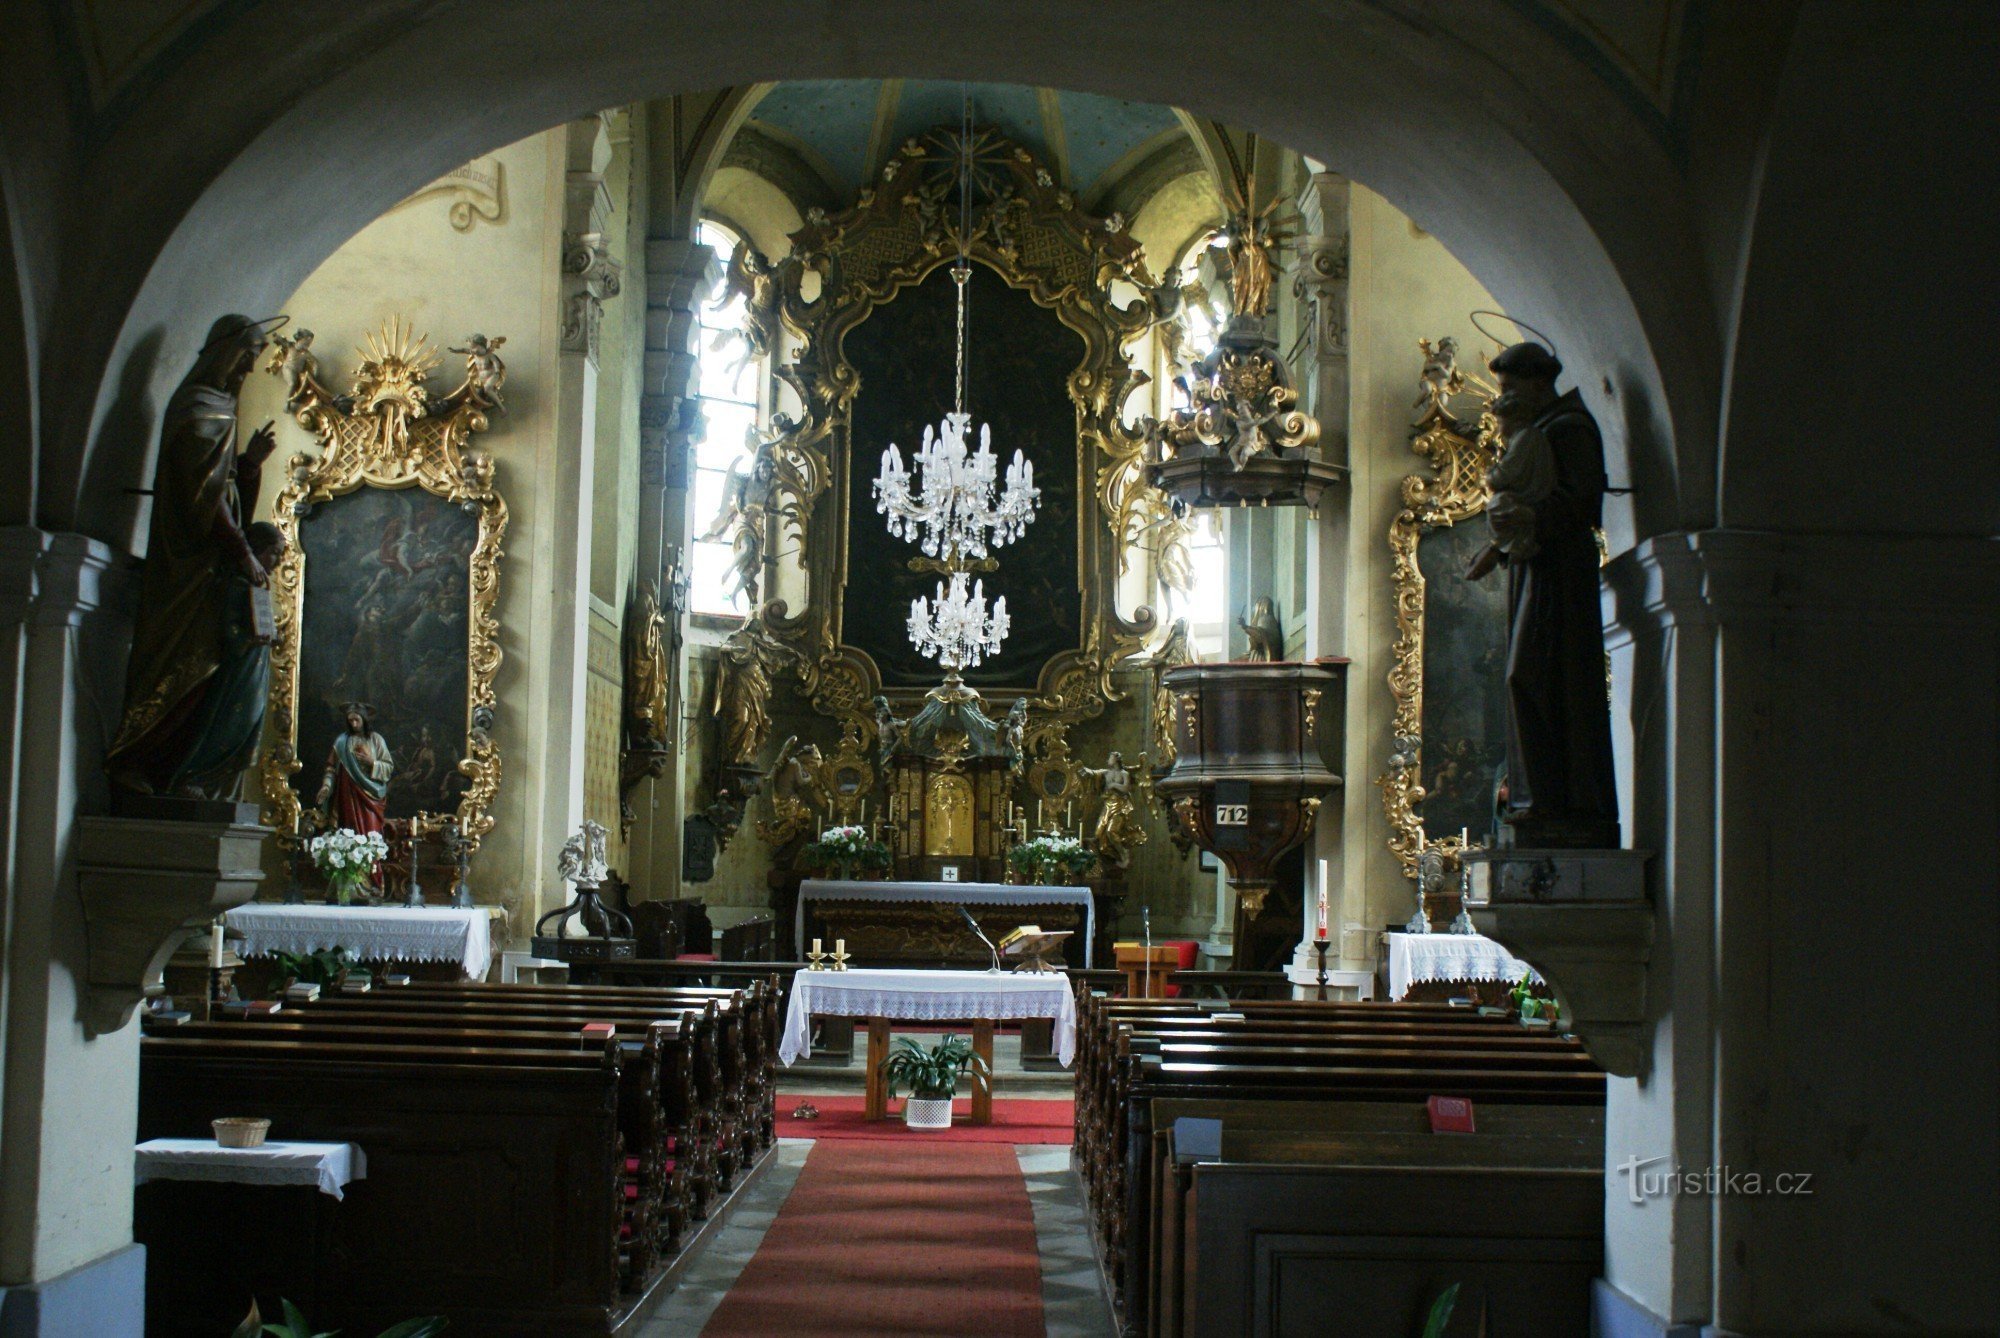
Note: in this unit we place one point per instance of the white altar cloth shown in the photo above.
(929, 996)
(330, 1166)
(370, 933)
(969, 894)
(1416, 958)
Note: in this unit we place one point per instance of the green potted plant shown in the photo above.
(1533, 1009)
(326, 968)
(932, 1076)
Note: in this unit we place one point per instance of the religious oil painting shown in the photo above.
(387, 580)
(1018, 366)
(1465, 681)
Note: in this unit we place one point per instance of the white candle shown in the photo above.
(1322, 912)
(215, 946)
(815, 945)
(840, 947)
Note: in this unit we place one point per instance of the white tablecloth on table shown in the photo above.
(946, 894)
(1416, 958)
(370, 933)
(330, 1166)
(929, 996)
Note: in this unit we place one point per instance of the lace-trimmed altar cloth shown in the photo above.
(370, 933)
(929, 996)
(1416, 958)
(329, 1166)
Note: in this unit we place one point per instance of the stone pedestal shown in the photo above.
(146, 884)
(1582, 919)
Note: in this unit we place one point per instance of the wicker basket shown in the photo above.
(241, 1132)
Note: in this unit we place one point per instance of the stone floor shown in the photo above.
(1073, 1299)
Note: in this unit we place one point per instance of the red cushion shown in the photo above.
(1187, 950)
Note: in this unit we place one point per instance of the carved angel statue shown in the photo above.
(798, 777)
(1016, 733)
(888, 729)
(742, 694)
(745, 507)
(485, 373)
(1118, 831)
(1264, 632)
(749, 277)
(1173, 563)
(1252, 238)
(293, 359)
(582, 859)
(1440, 377)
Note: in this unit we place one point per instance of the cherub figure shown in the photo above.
(294, 358)
(485, 373)
(1440, 377)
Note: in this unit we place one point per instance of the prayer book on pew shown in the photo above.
(1450, 1115)
(597, 1033)
(352, 986)
(252, 1008)
(303, 993)
(395, 980)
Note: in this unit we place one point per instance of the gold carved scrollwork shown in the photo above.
(1029, 230)
(390, 433)
(1458, 454)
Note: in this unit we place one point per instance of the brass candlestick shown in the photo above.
(839, 955)
(816, 960)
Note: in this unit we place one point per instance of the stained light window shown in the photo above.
(732, 386)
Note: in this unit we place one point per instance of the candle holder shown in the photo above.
(816, 960)
(839, 955)
(1319, 950)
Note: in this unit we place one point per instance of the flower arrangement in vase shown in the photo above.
(347, 859)
(1052, 859)
(846, 850)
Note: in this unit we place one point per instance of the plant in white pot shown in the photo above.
(932, 1076)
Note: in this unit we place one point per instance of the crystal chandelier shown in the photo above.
(952, 514)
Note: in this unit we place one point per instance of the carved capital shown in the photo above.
(590, 276)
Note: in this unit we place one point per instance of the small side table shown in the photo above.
(1147, 970)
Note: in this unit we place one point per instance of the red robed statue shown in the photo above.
(355, 793)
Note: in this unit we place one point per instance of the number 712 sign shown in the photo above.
(1232, 815)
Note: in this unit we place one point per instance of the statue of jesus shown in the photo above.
(355, 793)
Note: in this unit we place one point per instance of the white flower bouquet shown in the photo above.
(1047, 858)
(846, 850)
(347, 859)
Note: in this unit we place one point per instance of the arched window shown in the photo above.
(734, 389)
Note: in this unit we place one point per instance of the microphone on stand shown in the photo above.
(1146, 937)
(974, 924)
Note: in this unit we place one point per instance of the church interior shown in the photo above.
(998, 669)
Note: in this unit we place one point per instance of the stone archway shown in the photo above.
(1565, 206)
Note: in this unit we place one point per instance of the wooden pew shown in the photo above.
(1139, 1052)
(461, 1141)
(1371, 1226)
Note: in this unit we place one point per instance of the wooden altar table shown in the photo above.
(1416, 958)
(979, 997)
(370, 933)
(951, 894)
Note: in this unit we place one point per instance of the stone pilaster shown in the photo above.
(70, 1097)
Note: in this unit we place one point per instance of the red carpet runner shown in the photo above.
(1020, 1121)
(882, 1238)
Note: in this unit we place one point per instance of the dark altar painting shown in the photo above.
(1465, 681)
(1017, 380)
(387, 576)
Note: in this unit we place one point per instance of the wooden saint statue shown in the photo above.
(199, 672)
(1560, 788)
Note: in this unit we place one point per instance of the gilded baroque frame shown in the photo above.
(1031, 232)
(391, 433)
(1458, 455)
